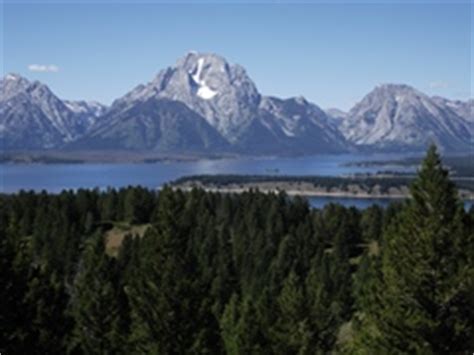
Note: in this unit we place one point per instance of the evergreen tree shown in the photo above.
(325, 310)
(229, 326)
(108, 205)
(46, 300)
(247, 273)
(164, 299)
(425, 290)
(94, 306)
(143, 293)
(137, 205)
(241, 330)
(13, 277)
(291, 331)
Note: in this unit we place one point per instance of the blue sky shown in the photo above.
(332, 54)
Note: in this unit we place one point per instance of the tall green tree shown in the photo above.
(47, 300)
(291, 331)
(94, 305)
(164, 299)
(240, 328)
(424, 300)
(13, 280)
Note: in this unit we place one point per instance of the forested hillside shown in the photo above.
(136, 271)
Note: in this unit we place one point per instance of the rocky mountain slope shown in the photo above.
(220, 92)
(229, 101)
(394, 117)
(86, 112)
(464, 109)
(205, 104)
(32, 117)
(154, 124)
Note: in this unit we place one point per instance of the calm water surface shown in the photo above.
(361, 203)
(57, 177)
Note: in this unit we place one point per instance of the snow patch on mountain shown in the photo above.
(92, 108)
(205, 87)
(287, 132)
(11, 77)
(204, 91)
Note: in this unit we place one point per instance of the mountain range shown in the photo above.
(205, 104)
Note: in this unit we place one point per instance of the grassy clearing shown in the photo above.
(115, 236)
(374, 248)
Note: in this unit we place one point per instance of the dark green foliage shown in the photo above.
(138, 205)
(241, 331)
(46, 299)
(13, 281)
(291, 330)
(240, 274)
(161, 320)
(422, 299)
(95, 303)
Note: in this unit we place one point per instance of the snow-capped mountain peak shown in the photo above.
(11, 85)
(220, 92)
(12, 77)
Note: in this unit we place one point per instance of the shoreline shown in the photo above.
(304, 193)
(298, 188)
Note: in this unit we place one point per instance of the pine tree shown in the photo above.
(13, 276)
(137, 205)
(291, 331)
(423, 301)
(240, 328)
(47, 300)
(95, 308)
(108, 205)
(143, 292)
(325, 293)
(229, 324)
(131, 206)
(164, 298)
(125, 269)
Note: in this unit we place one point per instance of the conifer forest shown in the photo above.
(139, 271)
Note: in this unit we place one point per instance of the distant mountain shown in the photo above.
(337, 116)
(464, 109)
(394, 117)
(229, 101)
(86, 112)
(32, 117)
(155, 125)
(297, 127)
(205, 104)
(220, 92)
(336, 113)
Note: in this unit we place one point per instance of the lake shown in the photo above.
(57, 177)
